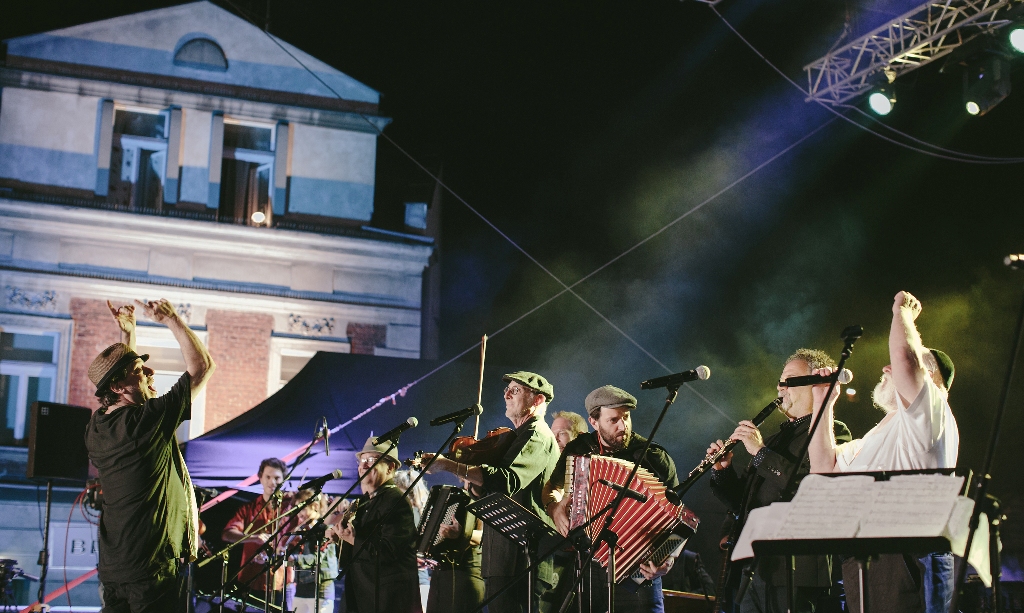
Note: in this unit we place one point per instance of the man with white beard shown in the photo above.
(918, 431)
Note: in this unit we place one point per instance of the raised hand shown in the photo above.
(161, 311)
(818, 391)
(906, 300)
(124, 316)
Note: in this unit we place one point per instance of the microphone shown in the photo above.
(1015, 261)
(844, 376)
(635, 495)
(701, 372)
(462, 415)
(326, 433)
(392, 435)
(319, 482)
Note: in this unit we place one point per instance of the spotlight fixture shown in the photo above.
(882, 100)
(851, 392)
(258, 217)
(1016, 38)
(986, 83)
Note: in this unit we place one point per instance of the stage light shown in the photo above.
(1016, 38)
(986, 83)
(881, 101)
(851, 392)
(258, 217)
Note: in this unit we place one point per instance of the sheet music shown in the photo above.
(847, 501)
(761, 525)
(911, 505)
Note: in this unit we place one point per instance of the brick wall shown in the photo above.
(240, 345)
(94, 331)
(364, 337)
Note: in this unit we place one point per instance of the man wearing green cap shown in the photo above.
(609, 408)
(918, 431)
(148, 528)
(521, 475)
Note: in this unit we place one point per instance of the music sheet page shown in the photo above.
(846, 500)
(911, 505)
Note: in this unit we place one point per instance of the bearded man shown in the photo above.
(520, 474)
(609, 408)
(918, 431)
(382, 578)
(148, 528)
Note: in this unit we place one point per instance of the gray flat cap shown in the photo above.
(609, 397)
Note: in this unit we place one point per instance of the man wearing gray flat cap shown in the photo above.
(520, 474)
(609, 408)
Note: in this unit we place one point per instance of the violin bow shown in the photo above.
(480, 384)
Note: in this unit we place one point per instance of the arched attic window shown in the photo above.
(201, 53)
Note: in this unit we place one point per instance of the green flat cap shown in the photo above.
(946, 368)
(533, 381)
(609, 397)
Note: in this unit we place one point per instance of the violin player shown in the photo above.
(520, 474)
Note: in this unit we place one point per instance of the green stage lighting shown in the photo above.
(1017, 39)
(881, 101)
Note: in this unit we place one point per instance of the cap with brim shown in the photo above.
(946, 368)
(533, 381)
(382, 449)
(609, 397)
(110, 362)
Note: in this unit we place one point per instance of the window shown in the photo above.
(28, 372)
(166, 361)
(247, 173)
(201, 53)
(289, 355)
(138, 158)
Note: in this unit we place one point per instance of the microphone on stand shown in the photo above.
(462, 415)
(391, 436)
(319, 482)
(844, 376)
(635, 495)
(326, 433)
(701, 372)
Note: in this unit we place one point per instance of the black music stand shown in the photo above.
(516, 523)
(863, 549)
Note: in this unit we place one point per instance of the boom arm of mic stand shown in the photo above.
(380, 522)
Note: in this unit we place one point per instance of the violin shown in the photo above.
(472, 451)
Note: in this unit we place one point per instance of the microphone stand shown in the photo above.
(224, 552)
(377, 528)
(606, 535)
(981, 491)
(849, 335)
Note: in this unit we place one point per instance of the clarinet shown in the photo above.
(714, 457)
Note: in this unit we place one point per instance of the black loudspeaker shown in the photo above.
(56, 441)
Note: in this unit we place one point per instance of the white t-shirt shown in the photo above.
(923, 435)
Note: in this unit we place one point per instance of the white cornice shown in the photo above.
(150, 231)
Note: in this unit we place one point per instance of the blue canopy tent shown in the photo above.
(339, 387)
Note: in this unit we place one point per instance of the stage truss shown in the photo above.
(918, 37)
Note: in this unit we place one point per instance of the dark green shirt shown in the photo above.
(146, 507)
(657, 460)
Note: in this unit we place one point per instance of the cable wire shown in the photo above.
(959, 156)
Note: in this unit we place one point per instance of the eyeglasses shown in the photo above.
(367, 461)
(513, 391)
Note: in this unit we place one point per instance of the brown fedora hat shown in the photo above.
(109, 362)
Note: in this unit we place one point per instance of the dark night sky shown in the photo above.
(580, 128)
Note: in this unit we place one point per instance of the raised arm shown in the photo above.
(125, 318)
(198, 362)
(906, 351)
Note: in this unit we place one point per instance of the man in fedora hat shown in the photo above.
(520, 474)
(148, 526)
(609, 408)
(383, 577)
(918, 431)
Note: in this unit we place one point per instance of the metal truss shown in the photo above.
(919, 37)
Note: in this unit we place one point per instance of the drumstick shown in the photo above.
(480, 385)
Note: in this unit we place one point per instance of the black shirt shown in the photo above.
(657, 460)
(148, 505)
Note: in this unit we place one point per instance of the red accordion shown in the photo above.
(642, 527)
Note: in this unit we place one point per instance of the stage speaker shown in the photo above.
(56, 441)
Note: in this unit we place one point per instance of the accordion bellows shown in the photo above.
(641, 527)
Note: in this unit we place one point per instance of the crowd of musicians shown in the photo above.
(148, 529)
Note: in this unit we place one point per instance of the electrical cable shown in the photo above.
(959, 156)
